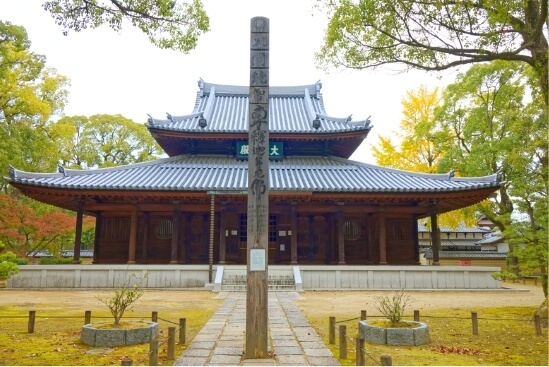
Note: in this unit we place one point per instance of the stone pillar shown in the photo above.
(222, 234)
(133, 236)
(382, 239)
(293, 238)
(258, 192)
(78, 232)
(340, 234)
(175, 236)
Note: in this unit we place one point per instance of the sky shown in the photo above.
(122, 73)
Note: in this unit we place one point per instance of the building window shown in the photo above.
(243, 227)
(273, 228)
(164, 230)
(351, 231)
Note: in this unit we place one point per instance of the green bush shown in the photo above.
(504, 275)
(56, 260)
(21, 261)
(8, 267)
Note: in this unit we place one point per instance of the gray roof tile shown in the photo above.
(291, 110)
(222, 173)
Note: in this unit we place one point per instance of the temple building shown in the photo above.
(191, 207)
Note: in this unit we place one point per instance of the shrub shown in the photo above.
(56, 260)
(504, 275)
(393, 307)
(8, 267)
(21, 261)
(124, 296)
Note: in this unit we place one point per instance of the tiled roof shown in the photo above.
(490, 239)
(467, 255)
(222, 173)
(224, 109)
(462, 228)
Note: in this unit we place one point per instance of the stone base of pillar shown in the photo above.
(173, 262)
(131, 262)
(341, 263)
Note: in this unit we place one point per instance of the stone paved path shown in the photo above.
(291, 337)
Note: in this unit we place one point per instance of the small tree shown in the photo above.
(393, 307)
(124, 296)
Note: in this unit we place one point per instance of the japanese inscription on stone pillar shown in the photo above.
(258, 191)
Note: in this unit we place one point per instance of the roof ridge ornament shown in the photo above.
(61, 169)
(13, 172)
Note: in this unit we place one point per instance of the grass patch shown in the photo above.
(56, 339)
(506, 337)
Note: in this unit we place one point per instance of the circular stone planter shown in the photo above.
(94, 334)
(417, 335)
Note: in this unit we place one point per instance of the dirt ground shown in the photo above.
(323, 302)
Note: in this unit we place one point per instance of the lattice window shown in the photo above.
(243, 227)
(115, 228)
(273, 228)
(164, 229)
(352, 231)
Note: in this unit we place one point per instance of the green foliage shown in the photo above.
(56, 260)
(8, 265)
(393, 307)
(504, 275)
(21, 261)
(500, 126)
(169, 24)
(102, 141)
(125, 294)
(434, 34)
(30, 96)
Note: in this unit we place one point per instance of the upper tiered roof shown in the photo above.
(296, 113)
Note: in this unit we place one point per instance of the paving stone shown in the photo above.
(323, 361)
(313, 345)
(225, 360)
(291, 342)
(191, 361)
(318, 352)
(195, 352)
(228, 351)
(206, 337)
(231, 343)
(201, 345)
(287, 350)
(292, 360)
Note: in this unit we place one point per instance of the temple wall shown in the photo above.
(314, 277)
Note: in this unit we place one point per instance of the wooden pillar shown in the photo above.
(382, 239)
(78, 233)
(175, 236)
(340, 234)
(435, 237)
(133, 236)
(222, 234)
(145, 243)
(97, 239)
(293, 238)
(256, 345)
(186, 237)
